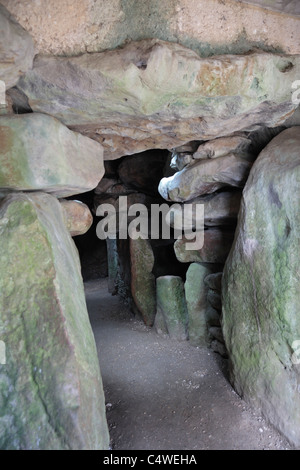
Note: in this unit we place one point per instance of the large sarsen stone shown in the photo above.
(261, 295)
(51, 395)
(154, 94)
(39, 153)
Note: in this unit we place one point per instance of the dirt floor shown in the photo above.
(167, 395)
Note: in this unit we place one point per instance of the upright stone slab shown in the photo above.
(38, 152)
(142, 279)
(196, 293)
(51, 394)
(171, 306)
(261, 295)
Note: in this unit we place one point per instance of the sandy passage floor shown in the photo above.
(167, 395)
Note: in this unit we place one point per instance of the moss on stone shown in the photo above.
(54, 399)
(260, 294)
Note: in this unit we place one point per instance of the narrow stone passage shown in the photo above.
(166, 395)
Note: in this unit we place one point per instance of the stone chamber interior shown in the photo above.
(145, 102)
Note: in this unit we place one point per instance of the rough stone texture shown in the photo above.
(77, 216)
(205, 177)
(195, 294)
(40, 153)
(214, 281)
(154, 94)
(160, 324)
(51, 388)
(238, 144)
(16, 49)
(221, 147)
(261, 287)
(208, 26)
(217, 244)
(180, 160)
(142, 279)
(171, 307)
(219, 209)
(289, 7)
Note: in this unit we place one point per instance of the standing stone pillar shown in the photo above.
(172, 313)
(142, 279)
(196, 299)
(51, 388)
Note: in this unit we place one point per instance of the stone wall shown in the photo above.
(214, 114)
(206, 26)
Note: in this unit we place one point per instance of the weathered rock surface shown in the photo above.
(205, 177)
(212, 27)
(154, 94)
(171, 316)
(220, 209)
(261, 322)
(40, 153)
(77, 216)
(142, 279)
(180, 160)
(288, 7)
(221, 147)
(16, 49)
(217, 244)
(237, 144)
(51, 388)
(189, 147)
(214, 281)
(195, 294)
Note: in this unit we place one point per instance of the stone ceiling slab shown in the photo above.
(155, 94)
(289, 7)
